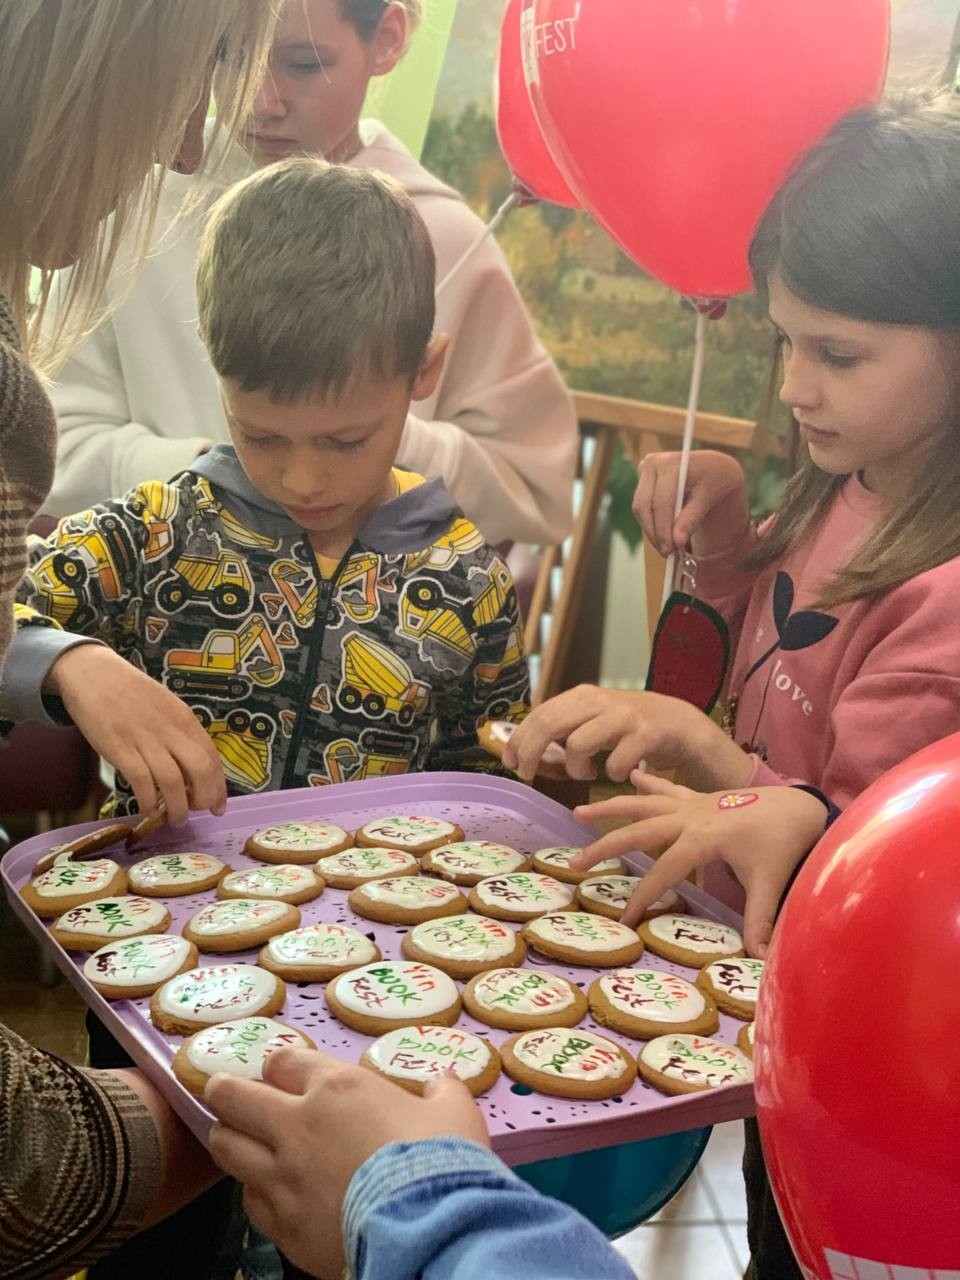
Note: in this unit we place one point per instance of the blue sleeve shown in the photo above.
(444, 1207)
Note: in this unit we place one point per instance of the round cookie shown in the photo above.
(734, 985)
(70, 884)
(406, 900)
(203, 997)
(691, 1064)
(172, 875)
(470, 861)
(409, 834)
(354, 866)
(745, 1040)
(412, 1056)
(393, 993)
(690, 940)
(568, 1063)
(317, 952)
(576, 937)
(555, 861)
(522, 999)
(521, 896)
(94, 924)
(135, 967)
(645, 1003)
(239, 924)
(301, 842)
(464, 945)
(285, 882)
(238, 1048)
(608, 895)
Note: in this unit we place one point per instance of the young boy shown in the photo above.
(326, 616)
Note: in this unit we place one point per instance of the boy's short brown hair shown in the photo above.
(311, 274)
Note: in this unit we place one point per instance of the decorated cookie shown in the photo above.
(734, 985)
(406, 899)
(412, 1056)
(493, 736)
(578, 938)
(133, 967)
(70, 884)
(568, 1063)
(171, 875)
(648, 1002)
(556, 860)
(520, 896)
(411, 834)
(745, 1040)
(203, 997)
(521, 999)
(690, 1064)
(94, 924)
(464, 945)
(287, 882)
(240, 923)
(690, 940)
(608, 895)
(469, 861)
(318, 952)
(354, 866)
(238, 1048)
(393, 993)
(302, 842)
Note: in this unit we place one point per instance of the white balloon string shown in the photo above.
(511, 202)
(693, 402)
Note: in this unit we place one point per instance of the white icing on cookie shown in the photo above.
(371, 863)
(173, 870)
(271, 881)
(692, 933)
(136, 962)
(68, 879)
(409, 831)
(561, 855)
(698, 1061)
(523, 991)
(236, 915)
(524, 891)
(615, 891)
(739, 978)
(215, 994)
(409, 891)
(240, 1047)
(321, 945)
(395, 989)
(750, 1032)
(653, 995)
(570, 1055)
(422, 1053)
(476, 857)
(581, 931)
(115, 917)
(300, 837)
(465, 938)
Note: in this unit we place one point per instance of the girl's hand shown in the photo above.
(763, 835)
(714, 514)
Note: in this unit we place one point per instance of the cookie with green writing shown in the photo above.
(522, 999)
(577, 937)
(649, 1002)
(409, 833)
(301, 842)
(215, 993)
(133, 967)
(568, 1063)
(608, 895)
(464, 945)
(406, 899)
(237, 924)
(380, 997)
(691, 940)
(354, 866)
(413, 1056)
(286, 882)
(69, 884)
(238, 1047)
(173, 875)
(468, 862)
(318, 952)
(692, 1064)
(520, 895)
(734, 985)
(555, 861)
(94, 924)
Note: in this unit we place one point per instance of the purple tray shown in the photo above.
(524, 1127)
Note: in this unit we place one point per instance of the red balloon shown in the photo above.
(521, 142)
(675, 121)
(858, 1036)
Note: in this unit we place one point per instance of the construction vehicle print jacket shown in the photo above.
(302, 673)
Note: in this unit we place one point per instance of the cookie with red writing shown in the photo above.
(173, 875)
(413, 1056)
(690, 940)
(576, 937)
(285, 882)
(734, 985)
(220, 993)
(608, 895)
(355, 866)
(468, 862)
(406, 899)
(69, 884)
(300, 842)
(649, 1002)
(239, 1047)
(745, 1040)
(692, 1064)
(380, 997)
(317, 952)
(94, 924)
(520, 896)
(568, 1063)
(239, 924)
(555, 861)
(411, 834)
(133, 967)
(464, 945)
(522, 999)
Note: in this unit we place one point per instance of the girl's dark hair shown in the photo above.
(365, 15)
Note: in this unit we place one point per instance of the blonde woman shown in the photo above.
(92, 93)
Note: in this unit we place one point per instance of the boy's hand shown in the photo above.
(714, 513)
(297, 1140)
(142, 729)
(763, 837)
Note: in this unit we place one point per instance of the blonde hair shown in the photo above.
(94, 94)
(310, 275)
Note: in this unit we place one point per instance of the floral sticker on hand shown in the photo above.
(737, 799)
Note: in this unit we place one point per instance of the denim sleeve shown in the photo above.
(444, 1207)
